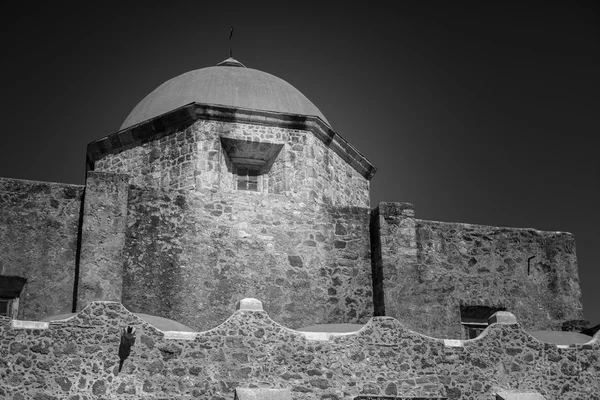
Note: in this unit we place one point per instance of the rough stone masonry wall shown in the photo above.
(189, 255)
(168, 162)
(430, 268)
(193, 158)
(77, 359)
(38, 241)
(193, 242)
(102, 238)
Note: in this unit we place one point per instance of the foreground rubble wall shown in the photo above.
(78, 359)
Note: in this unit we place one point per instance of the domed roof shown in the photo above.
(229, 83)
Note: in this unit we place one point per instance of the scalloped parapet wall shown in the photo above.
(79, 356)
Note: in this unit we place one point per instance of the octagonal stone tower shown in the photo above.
(226, 183)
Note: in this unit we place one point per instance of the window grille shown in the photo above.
(247, 178)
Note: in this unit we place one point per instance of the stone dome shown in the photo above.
(229, 83)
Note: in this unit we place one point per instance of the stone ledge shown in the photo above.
(453, 343)
(323, 336)
(262, 394)
(179, 335)
(18, 324)
(515, 395)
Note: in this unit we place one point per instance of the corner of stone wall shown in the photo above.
(390, 210)
(100, 275)
(385, 213)
(38, 242)
(376, 271)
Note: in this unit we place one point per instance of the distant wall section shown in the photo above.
(428, 269)
(38, 241)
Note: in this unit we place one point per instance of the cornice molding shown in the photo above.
(172, 121)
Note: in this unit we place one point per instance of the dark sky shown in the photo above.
(486, 115)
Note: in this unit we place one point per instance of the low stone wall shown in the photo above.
(78, 359)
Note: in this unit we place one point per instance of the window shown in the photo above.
(474, 329)
(247, 178)
(10, 290)
(249, 163)
(474, 319)
(6, 307)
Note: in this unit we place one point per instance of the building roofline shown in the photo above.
(167, 123)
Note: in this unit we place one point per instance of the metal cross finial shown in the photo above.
(230, 35)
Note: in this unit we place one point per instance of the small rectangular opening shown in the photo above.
(10, 290)
(247, 178)
(5, 307)
(474, 319)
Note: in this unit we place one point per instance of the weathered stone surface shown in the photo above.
(163, 230)
(425, 270)
(191, 255)
(102, 238)
(192, 242)
(263, 394)
(518, 395)
(194, 158)
(383, 359)
(38, 241)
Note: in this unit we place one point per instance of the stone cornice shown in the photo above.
(168, 123)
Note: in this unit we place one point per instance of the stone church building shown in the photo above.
(227, 183)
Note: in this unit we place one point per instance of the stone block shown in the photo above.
(18, 324)
(250, 305)
(515, 395)
(102, 238)
(453, 343)
(502, 317)
(262, 394)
